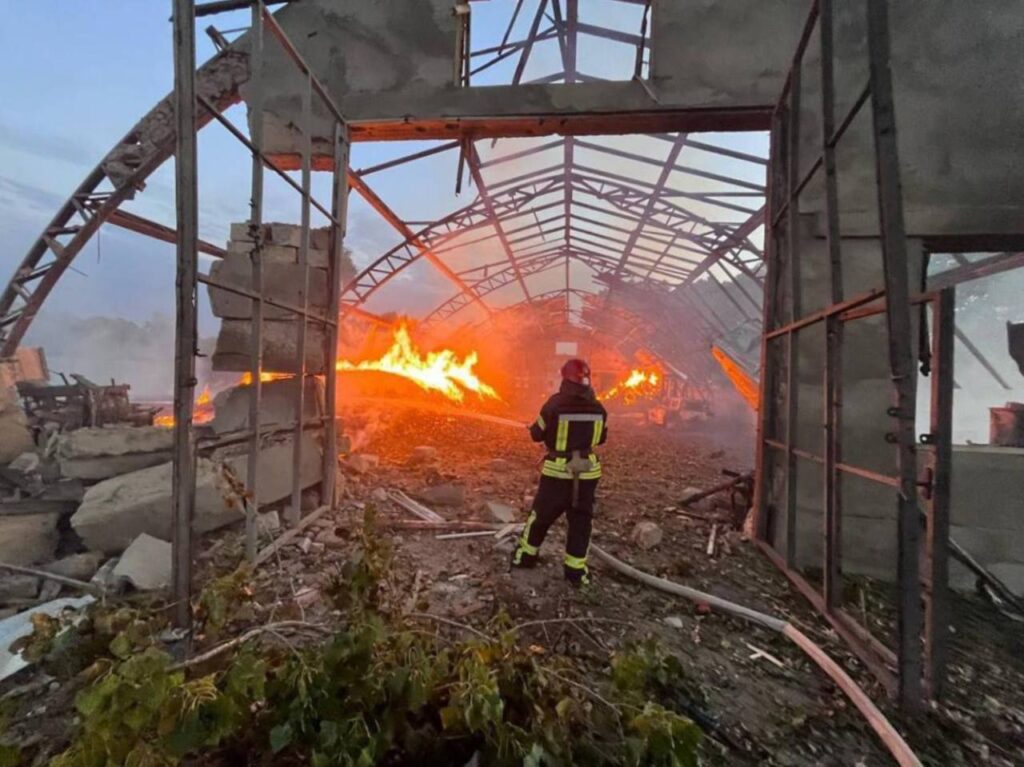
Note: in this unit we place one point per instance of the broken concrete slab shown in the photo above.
(26, 539)
(269, 524)
(277, 404)
(362, 463)
(109, 451)
(281, 282)
(145, 564)
(81, 567)
(280, 345)
(447, 494)
(116, 511)
(274, 467)
(647, 535)
(502, 512)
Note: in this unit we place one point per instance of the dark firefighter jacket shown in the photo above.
(571, 420)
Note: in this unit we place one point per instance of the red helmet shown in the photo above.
(577, 371)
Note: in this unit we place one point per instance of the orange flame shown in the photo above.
(202, 411)
(640, 384)
(265, 377)
(439, 371)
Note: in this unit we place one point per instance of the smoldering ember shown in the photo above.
(512, 382)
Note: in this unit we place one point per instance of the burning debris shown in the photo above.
(437, 371)
(639, 384)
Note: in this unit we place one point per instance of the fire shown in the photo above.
(265, 377)
(439, 371)
(640, 384)
(202, 411)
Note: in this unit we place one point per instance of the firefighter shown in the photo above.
(571, 424)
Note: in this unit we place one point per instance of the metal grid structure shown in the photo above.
(187, 104)
(785, 320)
(655, 250)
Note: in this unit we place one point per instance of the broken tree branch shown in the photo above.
(271, 628)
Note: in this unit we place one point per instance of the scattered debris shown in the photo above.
(758, 653)
(446, 494)
(502, 512)
(20, 625)
(421, 511)
(361, 463)
(712, 539)
(647, 535)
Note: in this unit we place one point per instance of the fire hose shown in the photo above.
(892, 740)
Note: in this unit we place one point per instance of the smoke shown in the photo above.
(140, 354)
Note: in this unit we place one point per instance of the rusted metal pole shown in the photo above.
(901, 356)
(294, 512)
(938, 545)
(183, 488)
(338, 227)
(792, 338)
(256, 259)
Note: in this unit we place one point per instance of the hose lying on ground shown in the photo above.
(893, 741)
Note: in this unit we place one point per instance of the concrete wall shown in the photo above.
(987, 515)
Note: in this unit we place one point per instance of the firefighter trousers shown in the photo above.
(554, 498)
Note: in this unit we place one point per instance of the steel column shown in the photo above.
(256, 259)
(901, 355)
(294, 512)
(183, 487)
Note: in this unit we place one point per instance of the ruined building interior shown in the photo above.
(787, 238)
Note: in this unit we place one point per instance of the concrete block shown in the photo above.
(274, 468)
(100, 453)
(280, 346)
(279, 254)
(28, 538)
(277, 404)
(240, 232)
(145, 564)
(283, 234)
(281, 282)
(116, 511)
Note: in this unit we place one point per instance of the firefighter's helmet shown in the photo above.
(577, 371)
